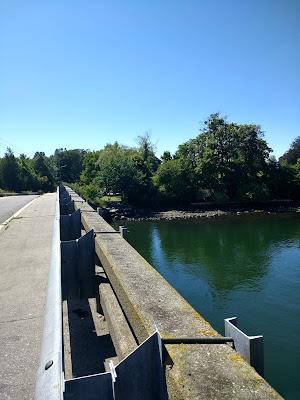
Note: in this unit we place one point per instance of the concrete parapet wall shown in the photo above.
(149, 302)
(120, 332)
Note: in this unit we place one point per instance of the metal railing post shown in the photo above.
(123, 232)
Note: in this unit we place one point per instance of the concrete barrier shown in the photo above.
(193, 371)
(119, 329)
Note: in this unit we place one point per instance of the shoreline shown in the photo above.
(131, 214)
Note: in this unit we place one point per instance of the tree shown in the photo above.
(147, 150)
(25, 174)
(43, 170)
(10, 171)
(117, 172)
(253, 159)
(283, 180)
(174, 181)
(69, 164)
(90, 167)
(291, 156)
(148, 162)
(28, 178)
(228, 159)
(166, 156)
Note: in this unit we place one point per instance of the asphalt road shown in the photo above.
(11, 204)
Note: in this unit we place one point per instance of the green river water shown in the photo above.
(243, 266)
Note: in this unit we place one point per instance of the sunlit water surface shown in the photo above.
(247, 266)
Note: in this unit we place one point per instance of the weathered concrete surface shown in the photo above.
(11, 204)
(119, 329)
(195, 371)
(87, 343)
(25, 246)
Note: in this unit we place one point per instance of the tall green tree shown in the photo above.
(228, 160)
(146, 164)
(90, 167)
(10, 171)
(28, 179)
(117, 172)
(69, 164)
(147, 152)
(42, 168)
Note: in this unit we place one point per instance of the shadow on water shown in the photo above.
(247, 266)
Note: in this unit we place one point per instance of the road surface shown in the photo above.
(11, 204)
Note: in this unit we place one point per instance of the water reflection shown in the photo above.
(242, 266)
(229, 251)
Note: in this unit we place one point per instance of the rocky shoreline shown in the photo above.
(128, 213)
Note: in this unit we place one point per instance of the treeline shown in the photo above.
(225, 162)
(40, 173)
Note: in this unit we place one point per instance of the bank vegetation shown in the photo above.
(225, 162)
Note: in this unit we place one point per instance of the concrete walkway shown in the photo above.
(25, 248)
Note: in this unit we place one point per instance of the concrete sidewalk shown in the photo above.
(25, 249)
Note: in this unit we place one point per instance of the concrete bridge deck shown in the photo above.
(25, 246)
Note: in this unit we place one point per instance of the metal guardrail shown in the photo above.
(49, 384)
(251, 348)
(139, 375)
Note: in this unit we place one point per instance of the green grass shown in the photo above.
(104, 200)
(112, 198)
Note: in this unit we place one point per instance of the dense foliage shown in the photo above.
(120, 169)
(40, 173)
(291, 156)
(225, 162)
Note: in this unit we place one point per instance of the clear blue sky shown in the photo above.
(81, 73)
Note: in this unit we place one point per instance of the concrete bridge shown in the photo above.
(25, 252)
(111, 301)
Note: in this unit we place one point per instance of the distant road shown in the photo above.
(11, 204)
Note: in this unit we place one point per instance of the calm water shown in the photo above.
(246, 266)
